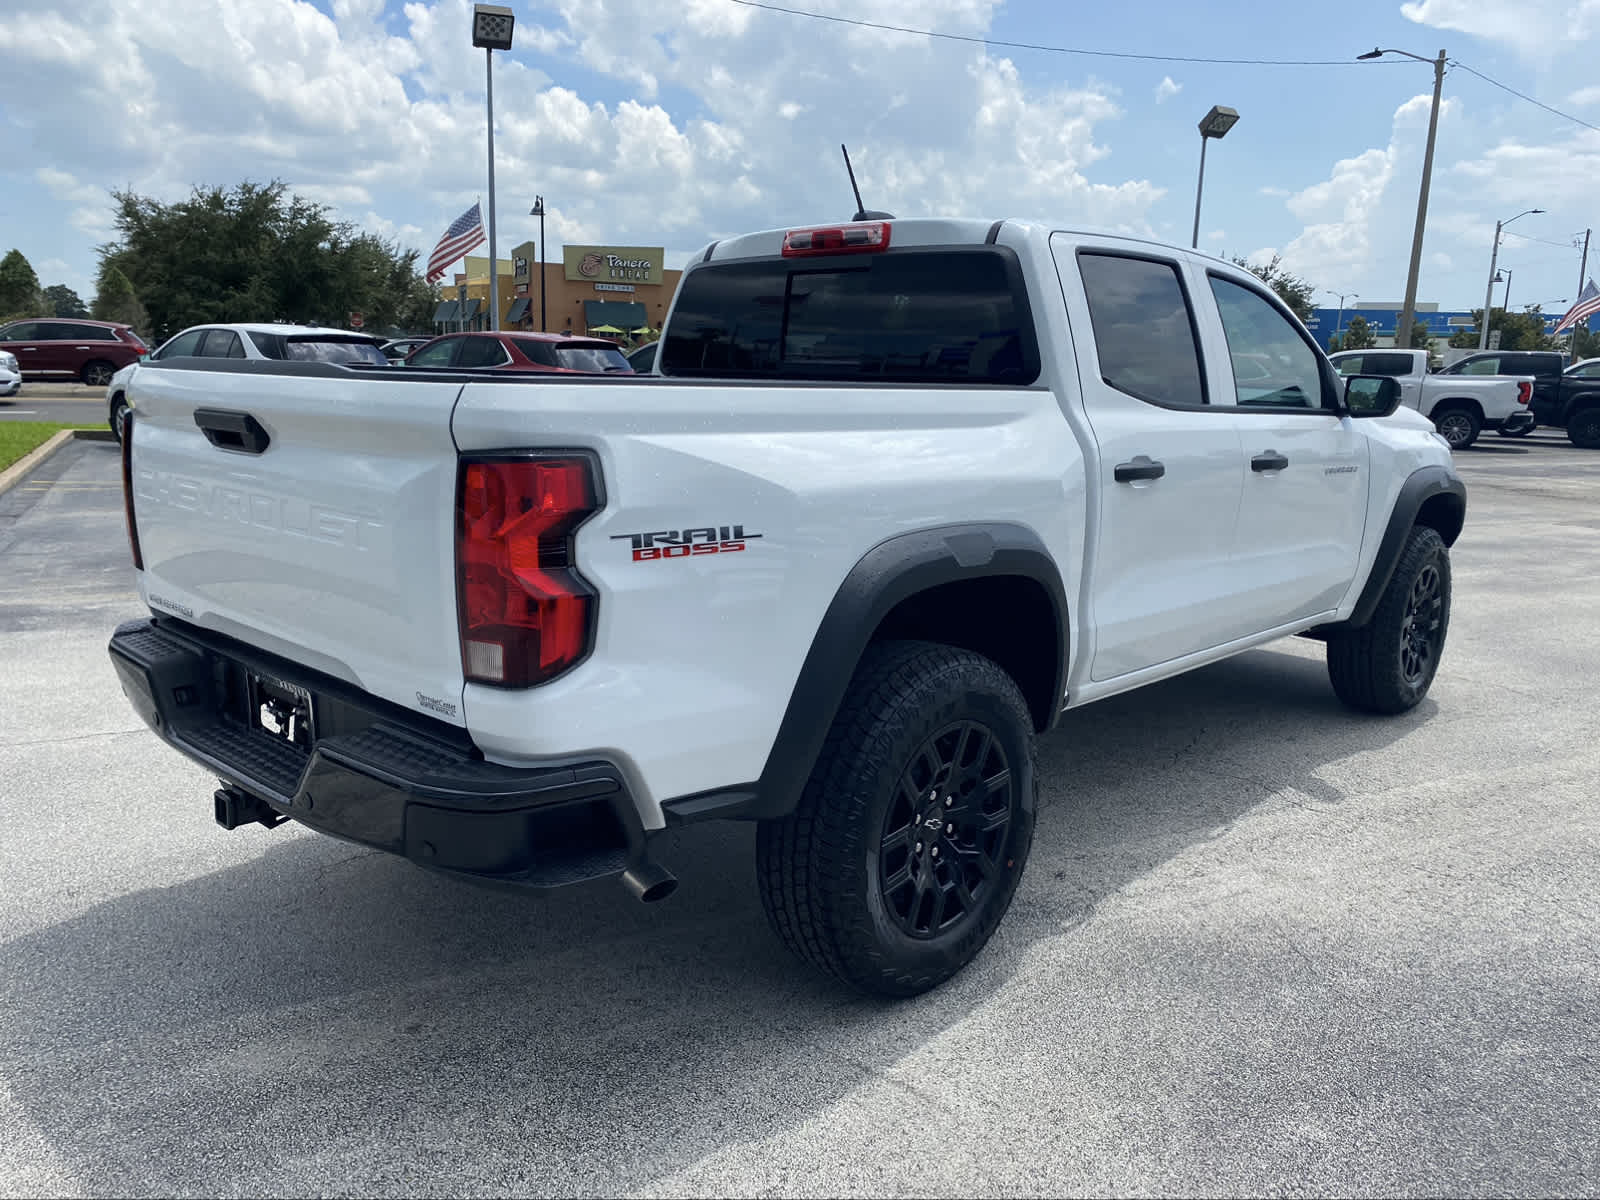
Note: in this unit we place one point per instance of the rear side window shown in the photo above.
(536, 351)
(221, 343)
(938, 316)
(481, 352)
(1143, 331)
(1478, 366)
(332, 351)
(1396, 365)
(1349, 364)
(90, 333)
(591, 358)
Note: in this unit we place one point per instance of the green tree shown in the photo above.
(257, 252)
(62, 301)
(19, 288)
(1421, 338)
(1584, 343)
(1358, 335)
(1291, 289)
(1518, 331)
(115, 300)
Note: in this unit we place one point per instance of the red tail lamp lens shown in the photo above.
(526, 615)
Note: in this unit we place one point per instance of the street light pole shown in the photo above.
(1214, 124)
(538, 211)
(1505, 304)
(1338, 321)
(1408, 310)
(1488, 292)
(491, 30)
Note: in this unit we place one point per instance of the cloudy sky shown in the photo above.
(674, 122)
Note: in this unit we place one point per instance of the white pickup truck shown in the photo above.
(902, 492)
(1460, 406)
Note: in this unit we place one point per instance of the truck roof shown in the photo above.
(921, 231)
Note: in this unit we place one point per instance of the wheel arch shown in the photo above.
(992, 588)
(1430, 496)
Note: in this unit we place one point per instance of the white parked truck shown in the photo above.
(901, 493)
(1460, 406)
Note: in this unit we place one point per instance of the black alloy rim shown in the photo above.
(1419, 635)
(944, 838)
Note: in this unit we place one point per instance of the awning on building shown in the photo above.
(624, 314)
(519, 311)
(469, 310)
(445, 312)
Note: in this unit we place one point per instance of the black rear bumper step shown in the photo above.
(379, 776)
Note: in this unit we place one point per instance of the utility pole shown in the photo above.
(1408, 310)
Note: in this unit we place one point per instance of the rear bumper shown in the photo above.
(1515, 423)
(375, 774)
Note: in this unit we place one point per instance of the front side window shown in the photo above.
(186, 343)
(22, 331)
(1143, 330)
(1256, 329)
(1586, 371)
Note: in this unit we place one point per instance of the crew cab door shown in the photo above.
(1169, 465)
(1304, 503)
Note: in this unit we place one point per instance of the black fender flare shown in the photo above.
(1420, 487)
(892, 571)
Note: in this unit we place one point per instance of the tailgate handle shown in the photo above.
(228, 430)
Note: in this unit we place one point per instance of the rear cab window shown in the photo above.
(956, 314)
(1144, 331)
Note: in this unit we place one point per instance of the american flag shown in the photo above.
(465, 232)
(1588, 304)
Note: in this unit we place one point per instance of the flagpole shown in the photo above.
(1583, 273)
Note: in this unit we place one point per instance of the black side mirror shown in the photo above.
(1371, 395)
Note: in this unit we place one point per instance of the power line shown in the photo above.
(1522, 95)
(1571, 244)
(986, 41)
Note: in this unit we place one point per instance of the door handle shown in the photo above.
(1142, 467)
(228, 430)
(1270, 461)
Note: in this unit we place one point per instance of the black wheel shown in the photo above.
(1583, 429)
(98, 374)
(1387, 665)
(119, 415)
(1458, 426)
(914, 826)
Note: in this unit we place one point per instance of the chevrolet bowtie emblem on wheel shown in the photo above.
(934, 822)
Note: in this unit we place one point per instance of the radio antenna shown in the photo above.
(862, 214)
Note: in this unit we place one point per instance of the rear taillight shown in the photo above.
(525, 613)
(127, 489)
(864, 238)
(1524, 392)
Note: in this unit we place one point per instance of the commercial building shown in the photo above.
(1381, 317)
(621, 292)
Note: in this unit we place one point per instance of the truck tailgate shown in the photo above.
(332, 545)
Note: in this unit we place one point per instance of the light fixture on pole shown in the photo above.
(538, 211)
(1214, 124)
(491, 31)
(1488, 292)
(1408, 310)
(1338, 322)
(1505, 304)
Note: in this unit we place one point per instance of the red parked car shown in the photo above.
(62, 348)
(513, 350)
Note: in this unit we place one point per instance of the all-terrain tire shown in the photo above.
(1387, 665)
(1583, 429)
(902, 815)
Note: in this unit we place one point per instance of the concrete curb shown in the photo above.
(25, 466)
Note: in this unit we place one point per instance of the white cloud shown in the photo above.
(1584, 96)
(1276, 192)
(1217, 235)
(1533, 28)
(1167, 89)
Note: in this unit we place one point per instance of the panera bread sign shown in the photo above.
(613, 264)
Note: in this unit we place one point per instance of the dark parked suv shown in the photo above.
(61, 349)
(1544, 365)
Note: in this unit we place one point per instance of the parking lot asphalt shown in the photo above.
(1263, 945)
(67, 403)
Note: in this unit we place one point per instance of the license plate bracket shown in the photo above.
(282, 710)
